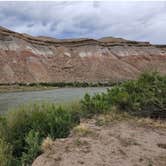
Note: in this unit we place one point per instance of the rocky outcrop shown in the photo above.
(26, 59)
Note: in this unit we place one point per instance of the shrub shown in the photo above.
(117, 95)
(3, 128)
(59, 122)
(143, 97)
(6, 158)
(147, 95)
(81, 130)
(94, 105)
(32, 148)
(27, 126)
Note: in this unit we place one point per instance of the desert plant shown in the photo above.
(81, 130)
(44, 119)
(94, 104)
(46, 144)
(6, 158)
(145, 96)
(32, 148)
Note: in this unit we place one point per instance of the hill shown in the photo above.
(28, 59)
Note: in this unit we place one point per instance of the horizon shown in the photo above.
(138, 21)
(67, 38)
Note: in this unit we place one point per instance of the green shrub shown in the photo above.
(94, 105)
(43, 119)
(32, 148)
(66, 84)
(147, 95)
(117, 95)
(143, 97)
(6, 158)
(3, 128)
(59, 122)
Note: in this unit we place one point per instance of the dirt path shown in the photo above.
(123, 143)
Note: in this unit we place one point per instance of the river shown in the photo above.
(14, 99)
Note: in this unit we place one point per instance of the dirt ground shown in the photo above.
(124, 143)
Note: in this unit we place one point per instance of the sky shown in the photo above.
(142, 21)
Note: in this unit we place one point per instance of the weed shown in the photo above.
(81, 130)
(6, 157)
(47, 144)
(32, 148)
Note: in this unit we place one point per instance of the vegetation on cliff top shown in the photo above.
(22, 131)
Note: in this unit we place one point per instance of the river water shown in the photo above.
(14, 99)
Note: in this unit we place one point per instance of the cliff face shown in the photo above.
(24, 58)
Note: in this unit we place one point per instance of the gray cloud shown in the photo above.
(132, 20)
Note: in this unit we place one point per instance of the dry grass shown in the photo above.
(151, 122)
(113, 116)
(80, 142)
(81, 130)
(47, 144)
(116, 116)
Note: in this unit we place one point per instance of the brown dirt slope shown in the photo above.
(125, 143)
(27, 59)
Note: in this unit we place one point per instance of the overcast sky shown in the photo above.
(144, 21)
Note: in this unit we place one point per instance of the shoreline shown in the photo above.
(6, 88)
(17, 88)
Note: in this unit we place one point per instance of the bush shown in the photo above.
(3, 128)
(32, 148)
(94, 105)
(59, 123)
(147, 95)
(27, 126)
(143, 97)
(6, 158)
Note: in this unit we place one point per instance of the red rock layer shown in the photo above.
(28, 59)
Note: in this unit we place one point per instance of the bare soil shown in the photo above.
(123, 143)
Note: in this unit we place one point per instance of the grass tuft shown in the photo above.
(47, 144)
(81, 130)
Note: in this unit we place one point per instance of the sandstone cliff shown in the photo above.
(24, 58)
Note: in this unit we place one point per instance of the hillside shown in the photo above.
(27, 59)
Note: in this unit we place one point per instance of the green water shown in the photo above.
(14, 99)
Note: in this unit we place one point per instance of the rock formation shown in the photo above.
(27, 59)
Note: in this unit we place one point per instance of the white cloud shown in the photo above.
(131, 20)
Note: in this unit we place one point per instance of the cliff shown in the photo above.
(26, 59)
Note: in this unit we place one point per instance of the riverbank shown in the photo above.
(18, 88)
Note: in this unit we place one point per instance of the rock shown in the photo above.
(24, 58)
